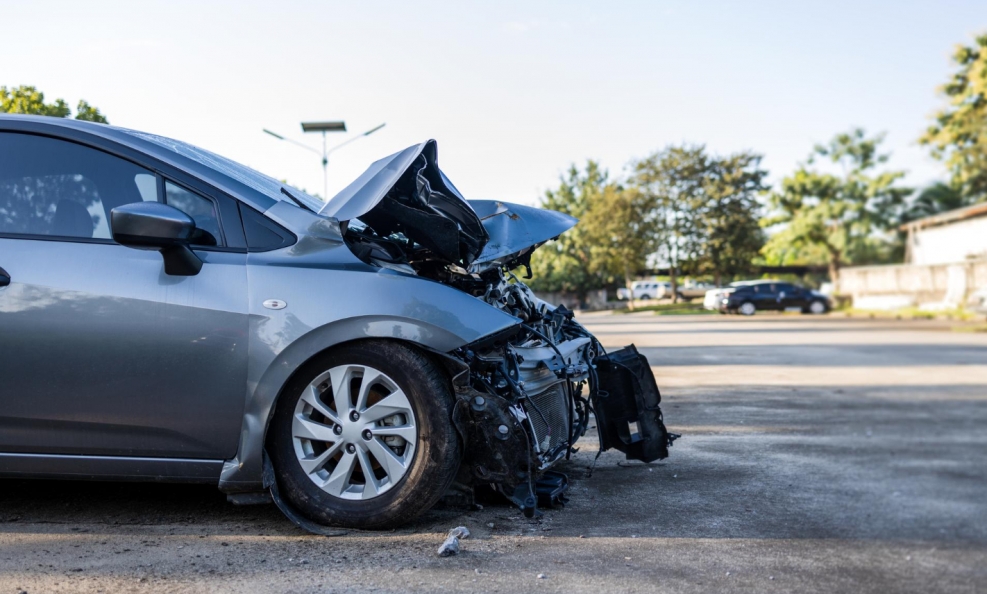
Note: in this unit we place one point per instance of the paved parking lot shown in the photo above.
(818, 455)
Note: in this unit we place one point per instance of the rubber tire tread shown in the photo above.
(437, 456)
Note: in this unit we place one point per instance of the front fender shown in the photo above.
(330, 306)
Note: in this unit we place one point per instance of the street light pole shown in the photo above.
(324, 127)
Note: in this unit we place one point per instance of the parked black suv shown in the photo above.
(749, 297)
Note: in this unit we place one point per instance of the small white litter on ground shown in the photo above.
(451, 545)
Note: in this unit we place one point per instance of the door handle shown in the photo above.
(4, 278)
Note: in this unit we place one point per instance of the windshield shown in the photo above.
(251, 178)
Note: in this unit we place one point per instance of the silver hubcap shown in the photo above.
(747, 309)
(817, 308)
(354, 432)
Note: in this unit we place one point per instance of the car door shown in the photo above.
(790, 296)
(766, 298)
(101, 352)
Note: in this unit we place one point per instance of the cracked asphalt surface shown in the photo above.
(819, 454)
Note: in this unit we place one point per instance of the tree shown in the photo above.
(611, 242)
(565, 264)
(28, 100)
(937, 198)
(832, 218)
(620, 230)
(958, 135)
(672, 183)
(728, 234)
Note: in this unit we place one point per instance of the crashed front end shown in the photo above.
(525, 394)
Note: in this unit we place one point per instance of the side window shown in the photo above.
(202, 210)
(56, 188)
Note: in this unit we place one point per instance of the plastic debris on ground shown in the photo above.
(451, 545)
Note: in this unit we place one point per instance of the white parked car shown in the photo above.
(646, 290)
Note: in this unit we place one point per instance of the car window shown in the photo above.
(202, 210)
(56, 188)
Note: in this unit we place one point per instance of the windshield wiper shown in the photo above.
(285, 191)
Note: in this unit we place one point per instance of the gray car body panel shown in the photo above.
(101, 353)
(514, 228)
(332, 298)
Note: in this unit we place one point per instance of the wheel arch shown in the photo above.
(244, 473)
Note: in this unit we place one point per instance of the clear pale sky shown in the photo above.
(513, 91)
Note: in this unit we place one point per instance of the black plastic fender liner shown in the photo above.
(271, 483)
(626, 404)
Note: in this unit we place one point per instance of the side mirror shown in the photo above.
(156, 226)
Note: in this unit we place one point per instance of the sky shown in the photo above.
(514, 92)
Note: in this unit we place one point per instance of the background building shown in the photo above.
(945, 266)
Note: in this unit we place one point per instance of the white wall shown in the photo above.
(953, 242)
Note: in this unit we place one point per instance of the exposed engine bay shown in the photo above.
(526, 394)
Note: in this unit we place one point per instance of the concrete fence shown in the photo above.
(904, 285)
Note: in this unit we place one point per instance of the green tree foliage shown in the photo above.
(836, 218)
(672, 180)
(704, 209)
(935, 199)
(29, 100)
(958, 136)
(567, 263)
(728, 233)
(611, 242)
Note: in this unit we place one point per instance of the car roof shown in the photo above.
(754, 282)
(254, 188)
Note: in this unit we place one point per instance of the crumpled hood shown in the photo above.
(407, 193)
(513, 228)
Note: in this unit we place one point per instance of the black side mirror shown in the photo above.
(156, 226)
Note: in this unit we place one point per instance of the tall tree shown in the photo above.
(611, 242)
(29, 100)
(958, 135)
(728, 234)
(620, 230)
(672, 181)
(566, 264)
(835, 217)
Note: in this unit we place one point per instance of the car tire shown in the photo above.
(746, 308)
(645, 297)
(405, 483)
(816, 308)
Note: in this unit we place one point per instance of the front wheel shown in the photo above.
(363, 436)
(746, 308)
(816, 308)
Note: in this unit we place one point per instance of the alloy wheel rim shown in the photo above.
(354, 432)
(816, 307)
(747, 309)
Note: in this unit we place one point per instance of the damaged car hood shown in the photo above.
(406, 195)
(515, 230)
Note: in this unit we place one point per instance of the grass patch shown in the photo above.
(669, 309)
(970, 328)
(914, 313)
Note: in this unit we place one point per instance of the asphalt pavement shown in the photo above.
(819, 454)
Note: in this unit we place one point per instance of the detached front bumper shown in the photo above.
(628, 416)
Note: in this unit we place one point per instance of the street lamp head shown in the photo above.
(324, 126)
